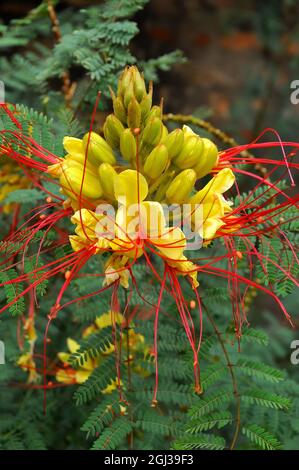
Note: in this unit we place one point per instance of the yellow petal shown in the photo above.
(64, 357)
(86, 221)
(82, 375)
(217, 185)
(107, 319)
(153, 218)
(73, 146)
(145, 219)
(66, 376)
(72, 345)
(213, 206)
(88, 331)
(210, 227)
(110, 388)
(223, 181)
(112, 275)
(126, 186)
(115, 269)
(77, 243)
(186, 268)
(88, 364)
(171, 243)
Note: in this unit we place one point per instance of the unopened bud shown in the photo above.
(207, 160)
(128, 145)
(112, 130)
(190, 152)
(164, 135)
(174, 142)
(98, 149)
(125, 80)
(146, 103)
(129, 93)
(73, 145)
(107, 173)
(119, 110)
(71, 181)
(152, 132)
(180, 188)
(139, 85)
(156, 162)
(134, 114)
(155, 112)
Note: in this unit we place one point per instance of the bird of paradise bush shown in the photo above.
(114, 188)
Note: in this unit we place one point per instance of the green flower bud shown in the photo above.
(164, 135)
(139, 85)
(119, 110)
(174, 142)
(155, 112)
(113, 129)
(188, 131)
(152, 132)
(156, 162)
(146, 103)
(134, 114)
(208, 158)
(125, 80)
(129, 94)
(180, 188)
(98, 149)
(107, 174)
(190, 153)
(128, 145)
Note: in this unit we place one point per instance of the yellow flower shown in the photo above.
(27, 363)
(115, 269)
(11, 179)
(77, 173)
(68, 375)
(212, 202)
(86, 223)
(106, 319)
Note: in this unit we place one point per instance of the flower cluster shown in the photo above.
(139, 163)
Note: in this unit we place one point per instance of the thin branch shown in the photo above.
(68, 88)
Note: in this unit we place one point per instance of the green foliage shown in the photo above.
(12, 290)
(94, 48)
(260, 436)
(21, 196)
